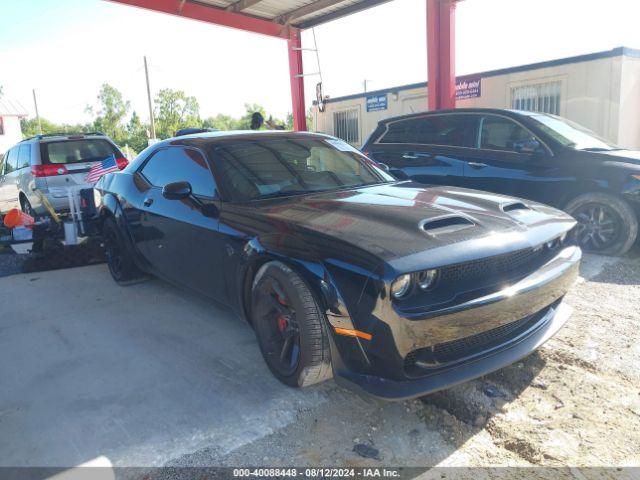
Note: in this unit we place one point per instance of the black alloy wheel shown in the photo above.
(290, 326)
(606, 224)
(113, 253)
(598, 226)
(121, 266)
(278, 326)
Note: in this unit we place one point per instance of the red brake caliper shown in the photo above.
(282, 322)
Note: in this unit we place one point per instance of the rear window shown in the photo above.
(74, 151)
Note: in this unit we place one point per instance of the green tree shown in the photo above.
(175, 110)
(137, 133)
(112, 111)
(30, 127)
(221, 122)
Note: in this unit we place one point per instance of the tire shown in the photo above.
(606, 224)
(121, 265)
(283, 309)
(26, 207)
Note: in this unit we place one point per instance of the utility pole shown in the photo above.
(35, 102)
(153, 123)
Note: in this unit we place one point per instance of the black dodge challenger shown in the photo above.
(394, 288)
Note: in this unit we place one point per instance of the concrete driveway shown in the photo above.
(141, 375)
(151, 375)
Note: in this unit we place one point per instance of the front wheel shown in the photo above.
(290, 326)
(606, 224)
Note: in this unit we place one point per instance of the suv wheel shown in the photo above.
(290, 327)
(606, 224)
(121, 265)
(26, 207)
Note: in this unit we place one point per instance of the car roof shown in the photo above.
(499, 111)
(57, 137)
(213, 137)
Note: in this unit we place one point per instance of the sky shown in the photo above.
(66, 49)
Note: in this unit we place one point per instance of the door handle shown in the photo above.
(477, 165)
(147, 202)
(409, 156)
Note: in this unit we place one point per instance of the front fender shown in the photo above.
(110, 207)
(338, 287)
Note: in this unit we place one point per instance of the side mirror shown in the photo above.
(527, 146)
(176, 191)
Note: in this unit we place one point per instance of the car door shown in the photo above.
(511, 160)
(429, 149)
(181, 240)
(9, 194)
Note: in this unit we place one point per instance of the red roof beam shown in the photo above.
(209, 14)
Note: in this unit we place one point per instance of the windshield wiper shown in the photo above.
(600, 149)
(284, 193)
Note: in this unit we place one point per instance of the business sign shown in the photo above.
(376, 103)
(468, 88)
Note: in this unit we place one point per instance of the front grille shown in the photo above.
(455, 350)
(496, 267)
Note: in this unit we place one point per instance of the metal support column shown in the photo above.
(441, 53)
(296, 73)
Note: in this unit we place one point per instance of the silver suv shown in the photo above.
(51, 164)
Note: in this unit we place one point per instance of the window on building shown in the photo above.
(541, 97)
(346, 125)
(1, 126)
(499, 133)
(180, 165)
(454, 130)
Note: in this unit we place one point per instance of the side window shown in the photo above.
(499, 133)
(176, 164)
(10, 160)
(24, 156)
(454, 130)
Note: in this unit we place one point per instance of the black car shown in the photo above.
(395, 289)
(531, 155)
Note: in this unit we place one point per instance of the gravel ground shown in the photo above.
(10, 263)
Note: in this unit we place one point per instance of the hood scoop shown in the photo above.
(445, 224)
(511, 207)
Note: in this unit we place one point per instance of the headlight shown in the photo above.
(400, 286)
(427, 278)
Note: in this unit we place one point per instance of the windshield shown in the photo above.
(74, 151)
(270, 167)
(571, 134)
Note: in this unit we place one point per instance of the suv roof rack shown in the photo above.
(64, 134)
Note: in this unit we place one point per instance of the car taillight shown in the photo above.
(122, 162)
(48, 170)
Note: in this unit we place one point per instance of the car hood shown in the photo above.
(401, 222)
(629, 156)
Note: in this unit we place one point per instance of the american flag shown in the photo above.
(99, 169)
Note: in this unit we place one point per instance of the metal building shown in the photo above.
(600, 91)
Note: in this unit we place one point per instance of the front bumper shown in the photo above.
(538, 296)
